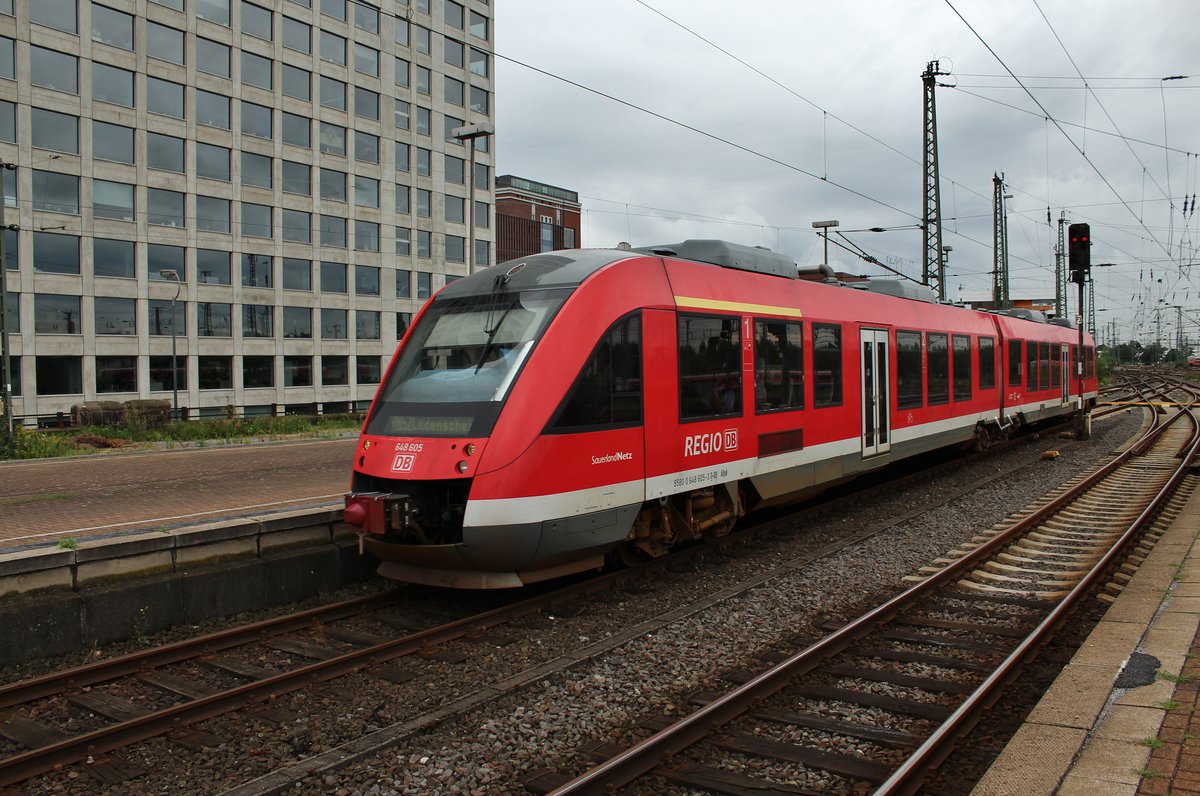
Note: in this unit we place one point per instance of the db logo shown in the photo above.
(403, 463)
(731, 441)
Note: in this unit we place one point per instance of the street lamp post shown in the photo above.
(467, 135)
(172, 274)
(6, 375)
(942, 266)
(825, 226)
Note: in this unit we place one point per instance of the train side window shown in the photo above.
(908, 370)
(827, 364)
(962, 367)
(1055, 365)
(710, 366)
(1014, 363)
(1044, 366)
(1089, 361)
(778, 365)
(1031, 365)
(987, 363)
(937, 350)
(608, 391)
(1074, 362)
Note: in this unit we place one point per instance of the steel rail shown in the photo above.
(651, 751)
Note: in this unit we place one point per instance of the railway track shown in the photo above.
(88, 713)
(905, 681)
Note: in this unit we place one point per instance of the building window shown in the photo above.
(8, 58)
(297, 274)
(333, 277)
(257, 320)
(297, 83)
(54, 314)
(454, 52)
(8, 122)
(256, 170)
(827, 364)
(454, 14)
(422, 80)
(115, 315)
(212, 267)
(333, 48)
(335, 370)
(165, 258)
(212, 109)
(113, 258)
(937, 382)
(164, 98)
(368, 369)
(366, 236)
(55, 131)
(212, 161)
(111, 27)
(421, 40)
(212, 214)
(297, 322)
(256, 21)
(297, 35)
(333, 231)
(161, 377)
(297, 130)
(333, 94)
(424, 203)
(403, 67)
(258, 372)
(483, 253)
(455, 169)
(214, 11)
(456, 209)
(297, 178)
(403, 319)
(424, 248)
(53, 70)
(483, 216)
(908, 370)
(366, 192)
(296, 225)
(116, 374)
(404, 283)
(214, 319)
(257, 71)
(257, 270)
(59, 375)
(334, 8)
(403, 243)
(256, 120)
(55, 254)
(366, 280)
(366, 147)
(164, 152)
(333, 139)
(479, 100)
(366, 325)
(479, 63)
(424, 284)
(366, 60)
(297, 371)
(213, 57)
(366, 104)
(256, 220)
(366, 17)
(402, 199)
(456, 249)
(57, 193)
(479, 26)
(112, 200)
(333, 324)
(164, 208)
(57, 14)
(333, 185)
(112, 142)
(214, 372)
(424, 121)
(402, 157)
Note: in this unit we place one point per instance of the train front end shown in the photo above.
(429, 439)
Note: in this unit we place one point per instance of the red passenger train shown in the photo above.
(557, 409)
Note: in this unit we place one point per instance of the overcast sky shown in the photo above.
(832, 129)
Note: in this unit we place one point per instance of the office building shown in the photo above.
(533, 217)
(292, 162)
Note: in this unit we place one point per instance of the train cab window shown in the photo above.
(938, 374)
(1031, 366)
(908, 370)
(987, 363)
(827, 364)
(1044, 366)
(710, 366)
(962, 367)
(1014, 363)
(608, 391)
(778, 365)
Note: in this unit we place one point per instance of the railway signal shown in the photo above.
(1079, 252)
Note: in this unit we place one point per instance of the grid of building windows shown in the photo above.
(273, 185)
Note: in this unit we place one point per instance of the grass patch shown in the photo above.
(1170, 704)
(1152, 743)
(69, 543)
(21, 501)
(1174, 678)
(1149, 773)
(36, 444)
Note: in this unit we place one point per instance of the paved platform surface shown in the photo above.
(1097, 732)
(43, 501)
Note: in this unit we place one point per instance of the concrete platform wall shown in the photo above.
(59, 601)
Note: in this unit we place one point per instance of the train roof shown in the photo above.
(566, 268)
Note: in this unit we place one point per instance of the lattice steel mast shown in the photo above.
(931, 222)
(1000, 296)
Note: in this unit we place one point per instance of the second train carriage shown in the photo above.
(555, 409)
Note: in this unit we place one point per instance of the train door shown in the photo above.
(876, 431)
(1064, 355)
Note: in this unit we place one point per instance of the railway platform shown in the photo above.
(1123, 717)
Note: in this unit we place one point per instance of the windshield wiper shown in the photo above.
(497, 285)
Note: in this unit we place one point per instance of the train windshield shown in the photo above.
(459, 362)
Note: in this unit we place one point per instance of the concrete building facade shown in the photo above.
(291, 161)
(533, 217)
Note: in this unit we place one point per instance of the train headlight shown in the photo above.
(470, 449)
(463, 467)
